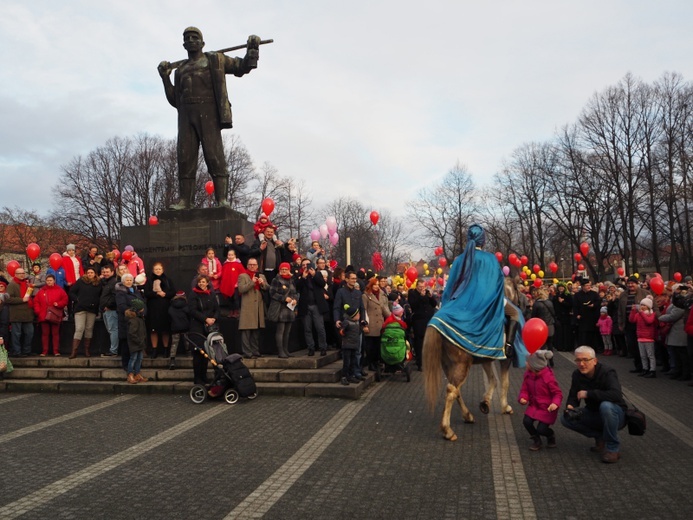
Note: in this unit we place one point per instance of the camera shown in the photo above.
(573, 415)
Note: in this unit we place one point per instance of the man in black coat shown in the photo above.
(423, 307)
(312, 306)
(586, 305)
(108, 308)
(604, 412)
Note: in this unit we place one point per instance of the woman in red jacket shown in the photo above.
(50, 295)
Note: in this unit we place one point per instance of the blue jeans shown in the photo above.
(110, 320)
(601, 425)
(135, 362)
(19, 346)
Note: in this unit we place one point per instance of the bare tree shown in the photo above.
(445, 210)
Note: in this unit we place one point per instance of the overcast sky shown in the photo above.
(372, 98)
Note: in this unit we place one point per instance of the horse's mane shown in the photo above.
(510, 290)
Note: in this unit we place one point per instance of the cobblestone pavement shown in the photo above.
(381, 457)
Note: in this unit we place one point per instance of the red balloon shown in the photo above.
(553, 267)
(412, 274)
(657, 275)
(56, 261)
(333, 264)
(534, 334)
(153, 220)
(577, 257)
(209, 187)
(33, 251)
(512, 258)
(11, 267)
(432, 282)
(438, 251)
(267, 206)
(538, 282)
(523, 275)
(621, 271)
(442, 261)
(499, 256)
(584, 248)
(440, 281)
(657, 285)
(581, 267)
(536, 268)
(127, 255)
(116, 254)
(677, 277)
(524, 260)
(375, 217)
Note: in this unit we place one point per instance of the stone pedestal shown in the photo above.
(181, 238)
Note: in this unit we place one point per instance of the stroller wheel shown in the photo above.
(252, 396)
(378, 373)
(407, 371)
(231, 396)
(198, 394)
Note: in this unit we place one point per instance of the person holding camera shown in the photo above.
(312, 306)
(604, 412)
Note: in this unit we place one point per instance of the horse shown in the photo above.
(456, 362)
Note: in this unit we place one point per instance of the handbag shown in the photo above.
(54, 315)
(635, 420)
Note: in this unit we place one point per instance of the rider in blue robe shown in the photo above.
(472, 314)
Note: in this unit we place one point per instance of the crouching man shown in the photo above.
(604, 412)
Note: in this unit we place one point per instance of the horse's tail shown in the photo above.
(432, 353)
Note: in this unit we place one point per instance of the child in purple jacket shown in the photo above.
(541, 393)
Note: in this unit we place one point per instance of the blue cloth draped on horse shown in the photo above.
(472, 313)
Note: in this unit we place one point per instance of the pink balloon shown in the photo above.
(334, 238)
(315, 235)
(324, 232)
(331, 224)
(506, 270)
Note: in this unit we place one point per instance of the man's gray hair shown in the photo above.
(586, 350)
(127, 275)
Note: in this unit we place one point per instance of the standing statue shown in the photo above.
(201, 98)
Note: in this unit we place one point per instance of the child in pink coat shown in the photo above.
(646, 329)
(541, 393)
(605, 325)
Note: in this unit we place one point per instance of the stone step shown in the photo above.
(352, 391)
(300, 375)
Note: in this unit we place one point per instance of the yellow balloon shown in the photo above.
(439, 270)
(526, 282)
(413, 286)
(427, 272)
(540, 274)
(425, 266)
(637, 275)
(555, 280)
(533, 276)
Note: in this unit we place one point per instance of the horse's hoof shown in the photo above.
(483, 406)
(508, 410)
(470, 419)
(453, 438)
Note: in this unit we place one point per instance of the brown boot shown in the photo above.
(75, 346)
(598, 447)
(131, 378)
(87, 344)
(536, 443)
(139, 378)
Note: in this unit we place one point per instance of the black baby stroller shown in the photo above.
(231, 377)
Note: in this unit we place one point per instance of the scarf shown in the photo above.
(23, 285)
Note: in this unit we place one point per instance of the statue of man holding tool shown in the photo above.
(200, 96)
